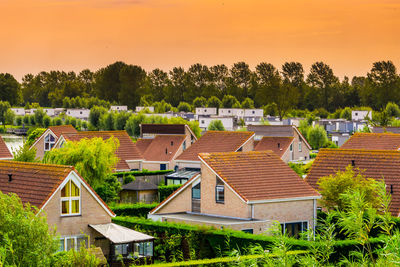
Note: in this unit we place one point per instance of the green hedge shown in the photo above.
(141, 173)
(133, 209)
(165, 190)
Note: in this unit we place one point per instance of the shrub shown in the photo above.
(133, 209)
(165, 190)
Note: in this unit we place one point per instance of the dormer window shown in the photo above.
(49, 142)
(219, 192)
(70, 199)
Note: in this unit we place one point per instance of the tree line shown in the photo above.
(288, 87)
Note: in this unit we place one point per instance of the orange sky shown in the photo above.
(75, 34)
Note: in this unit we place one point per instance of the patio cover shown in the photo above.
(119, 234)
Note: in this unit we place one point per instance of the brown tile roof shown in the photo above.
(216, 141)
(35, 182)
(4, 151)
(62, 129)
(163, 147)
(277, 144)
(373, 141)
(375, 164)
(388, 129)
(143, 143)
(258, 175)
(163, 128)
(127, 149)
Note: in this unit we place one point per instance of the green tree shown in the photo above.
(120, 120)
(46, 121)
(392, 109)
(216, 125)
(333, 186)
(39, 114)
(32, 135)
(185, 107)
(4, 106)
(270, 109)
(25, 154)
(107, 121)
(57, 121)
(93, 158)
(110, 189)
(248, 103)
(25, 235)
(94, 116)
(230, 101)
(10, 89)
(199, 102)
(317, 137)
(214, 102)
(10, 116)
(346, 114)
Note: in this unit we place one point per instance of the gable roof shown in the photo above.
(126, 151)
(4, 151)
(62, 129)
(143, 143)
(376, 164)
(35, 183)
(373, 141)
(216, 141)
(277, 144)
(258, 176)
(163, 147)
(161, 128)
(139, 185)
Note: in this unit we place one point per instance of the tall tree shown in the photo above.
(107, 81)
(240, 76)
(158, 82)
(132, 80)
(269, 82)
(219, 76)
(10, 89)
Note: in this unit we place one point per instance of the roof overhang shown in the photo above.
(118, 234)
(282, 200)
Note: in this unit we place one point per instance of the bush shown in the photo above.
(165, 190)
(184, 106)
(317, 137)
(128, 179)
(133, 209)
(216, 125)
(346, 114)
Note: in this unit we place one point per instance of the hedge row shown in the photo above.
(133, 209)
(216, 239)
(165, 190)
(141, 173)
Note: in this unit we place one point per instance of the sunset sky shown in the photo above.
(349, 35)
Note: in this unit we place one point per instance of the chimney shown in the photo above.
(10, 177)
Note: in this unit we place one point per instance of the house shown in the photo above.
(234, 112)
(386, 129)
(78, 113)
(229, 123)
(181, 176)
(128, 154)
(206, 111)
(299, 148)
(339, 138)
(119, 108)
(18, 111)
(376, 164)
(47, 140)
(5, 153)
(139, 191)
(215, 141)
(139, 109)
(245, 191)
(373, 141)
(72, 207)
(282, 146)
(358, 115)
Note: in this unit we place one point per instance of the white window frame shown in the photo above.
(75, 238)
(300, 148)
(70, 199)
(301, 223)
(51, 144)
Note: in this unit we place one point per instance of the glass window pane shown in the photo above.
(65, 207)
(70, 243)
(74, 190)
(65, 192)
(82, 241)
(170, 181)
(75, 206)
(61, 248)
(177, 181)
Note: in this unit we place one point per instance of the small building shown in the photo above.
(229, 123)
(234, 112)
(119, 108)
(149, 109)
(152, 130)
(181, 176)
(206, 111)
(78, 113)
(139, 191)
(339, 138)
(282, 146)
(245, 191)
(50, 111)
(358, 115)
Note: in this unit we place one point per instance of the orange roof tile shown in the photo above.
(143, 143)
(127, 149)
(216, 141)
(376, 164)
(373, 141)
(62, 129)
(163, 147)
(277, 144)
(4, 151)
(258, 175)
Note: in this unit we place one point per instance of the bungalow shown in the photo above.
(119, 108)
(210, 111)
(139, 191)
(215, 141)
(299, 148)
(72, 207)
(376, 164)
(78, 113)
(373, 141)
(5, 153)
(243, 191)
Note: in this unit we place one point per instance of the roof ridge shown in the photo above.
(361, 150)
(37, 164)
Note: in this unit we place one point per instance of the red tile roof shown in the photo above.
(143, 143)
(277, 144)
(163, 147)
(258, 175)
(4, 151)
(373, 141)
(376, 164)
(216, 141)
(34, 183)
(62, 129)
(127, 149)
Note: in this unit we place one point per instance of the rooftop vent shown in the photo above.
(391, 189)
(166, 151)
(10, 177)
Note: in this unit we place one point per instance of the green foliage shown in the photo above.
(4, 106)
(165, 191)
(332, 188)
(271, 109)
(214, 102)
(392, 109)
(128, 179)
(346, 113)
(93, 158)
(25, 154)
(322, 113)
(184, 106)
(26, 237)
(133, 209)
(71, 258)
(32, 135)
(230, 101)
(95, 114)
(10, 89)
(317, 137)
(247, 103)
(107, 121)
(39, 115)
(199, 102)
(216, 125)
(18, 120)
(300, 168)
(140, 173)
(46, 121)
(109, 189)
(9, 117)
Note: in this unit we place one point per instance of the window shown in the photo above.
(291, 147)
(202, 121)
(254, 112)
(73, 242)
(49, 142)
(144, 249)
(122, 249)
(294, 229)
(184, 145)
(300, 146)
(176, 181)
(196, 191)
(70, 199)
(219, 192)
(250, 231)
(163, 167)
(240, 149)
